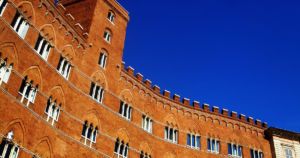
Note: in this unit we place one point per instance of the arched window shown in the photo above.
(213, 145)
(96, 92)
(89, 133)
(193, 141)
(8, 149)
(147, 123)
(121, 149)
(107, 36)
(145, 155)
(125, 110)
(103, 59)
(5, 70)
(52, 111)
(111, 16)
(20, 25)
(42, 47)
(171, 134)
(235, 150)
(3, 4)
(64, 67)
(28, 91)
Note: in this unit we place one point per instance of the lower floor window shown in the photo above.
(7, 147)
(256, 153)
(213, 145)
(235, 150)
(145, 155)
(89, 133)
(193, 141)
(52, 111)
(171, 134)
(28, 91)
(121, 149)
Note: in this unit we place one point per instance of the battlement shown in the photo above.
(185, 102)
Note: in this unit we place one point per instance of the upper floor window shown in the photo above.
(28, 91)
(96, 92)
(89, 133)
(52, 111)
(43, 47)
(121, 149)
(235, 150)
(288, 152)
(107, 36)
(125, 110)
(102, 59)
(145, 155)
(5, 70)
(193, 141)
(111, 16)
(8, 149)
(64, 67)
(20, 25)
(213, 145)
(3, 4)
(171, 134)
(256, 153)
(147, 124)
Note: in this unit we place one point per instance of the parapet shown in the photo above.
(185, 102)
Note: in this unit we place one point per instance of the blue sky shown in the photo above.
(240, 55)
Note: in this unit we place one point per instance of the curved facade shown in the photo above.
(65, 92)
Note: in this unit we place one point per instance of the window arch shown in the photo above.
(8, 148)
(107, 35)
(121, 148)
(103, 58)
(111, 16)
(89, 133)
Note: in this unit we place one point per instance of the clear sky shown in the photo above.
(243, 55)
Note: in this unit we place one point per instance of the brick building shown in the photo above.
(65, 92)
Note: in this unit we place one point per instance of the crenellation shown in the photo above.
(196, 105)
(258, 123)
(225, 112)
(156, 89)
(167, 94)
(139, 77)
(206, 107)
(130, 70)
(186, 101)
(243, 117)
(176, 98)
(234, 114)
(148, 83)
(215, 110)
(251, 120)
(265, 125)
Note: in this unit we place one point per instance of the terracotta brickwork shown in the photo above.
(75, 32)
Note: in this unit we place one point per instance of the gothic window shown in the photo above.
(64, 67)
(213, 145)
(42, 47)
(235, 150)
(52, 111)
(96, 92)
(171, 134)
(89, 133)
(28, 91)
(147, 124)
(111, 16)
(20, 25)
(145, 155)
(125, 110)
(288, 153)
(256, 153)
(107, 36)
(121, 149)
(193, 141)
(3, 4)
(102, 59)
(8, 149)
(5, 70)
